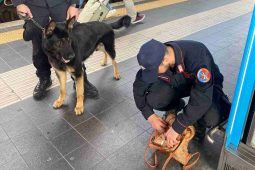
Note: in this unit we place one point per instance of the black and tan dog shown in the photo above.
(68, 45)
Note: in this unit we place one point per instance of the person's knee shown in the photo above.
(211, 121)
(159, 102)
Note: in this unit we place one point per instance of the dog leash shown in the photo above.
(25, 17)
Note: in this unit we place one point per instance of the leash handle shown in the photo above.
(26, 17)
(23, 16)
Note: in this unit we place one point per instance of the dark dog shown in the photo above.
(69, 45)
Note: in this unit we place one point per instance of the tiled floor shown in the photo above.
(112, 134)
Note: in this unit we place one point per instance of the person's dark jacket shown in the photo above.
(43, 3)
(141, 89)
(190, 58)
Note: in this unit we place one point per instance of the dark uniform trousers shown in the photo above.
(163, 97)
(42, 11)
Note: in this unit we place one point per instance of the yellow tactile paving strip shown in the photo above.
(15, 35)
(149, 5)
(19, 84)
(10, 36)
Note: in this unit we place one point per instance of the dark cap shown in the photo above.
(149, 58)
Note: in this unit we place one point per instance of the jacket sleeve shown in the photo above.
(201, 97)
(77, 2)
(17, 2)
(175, 80)
(139, 92)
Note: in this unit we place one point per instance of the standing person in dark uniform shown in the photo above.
(41, 11)
(174, 70)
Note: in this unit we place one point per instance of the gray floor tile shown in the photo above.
(18, 45)
(111, 117)
(4, 48)
(10, 113)
(25, 142)
(91, 128)
(59, 165)
(20, 62)
(26, 53)
(111, 95)
(3, 135)
(111, 84)
(71, 118)
(31, 105)
(84, 157)
(107, 143)
(126, 66)
(97, 106)
(36, 150)
(103, 165)
(41, 156)
(127, 130)
(127, 108)
(42, 115)
(10, 56)
(126, 90)
(54, 128)
(15, 164)
(141, 121)
(68, 142)
(19, 125)
(4, 66)
(131, 155)
(8, 152)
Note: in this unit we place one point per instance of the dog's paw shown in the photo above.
(117, 76)
(58, 103)
(79, 110)
(103, 63)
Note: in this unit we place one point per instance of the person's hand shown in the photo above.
(157, 123)
(171, 137)
(22, 9)
(71, 12)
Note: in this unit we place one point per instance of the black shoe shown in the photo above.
(90, 90)
(200, 132)
(225, 107)
(41, 87)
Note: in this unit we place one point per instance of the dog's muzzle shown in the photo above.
(65, 60)
(70, 57)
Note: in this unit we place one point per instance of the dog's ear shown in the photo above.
(70, 22)
(49, 28)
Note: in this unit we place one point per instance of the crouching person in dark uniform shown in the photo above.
(41, 11)
(174, 70)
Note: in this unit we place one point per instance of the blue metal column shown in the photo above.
(243, 92)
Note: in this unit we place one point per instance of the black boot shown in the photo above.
(90, 90)
(41, 87)
(225, 107)
(200, 131)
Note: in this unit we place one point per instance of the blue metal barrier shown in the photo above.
(243, 92)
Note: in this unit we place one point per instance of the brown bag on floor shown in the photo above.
(179, 152)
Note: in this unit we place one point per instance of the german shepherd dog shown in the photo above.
(68, 45)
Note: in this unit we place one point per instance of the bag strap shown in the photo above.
(186, 167)
(167, 161)
(155, 158)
